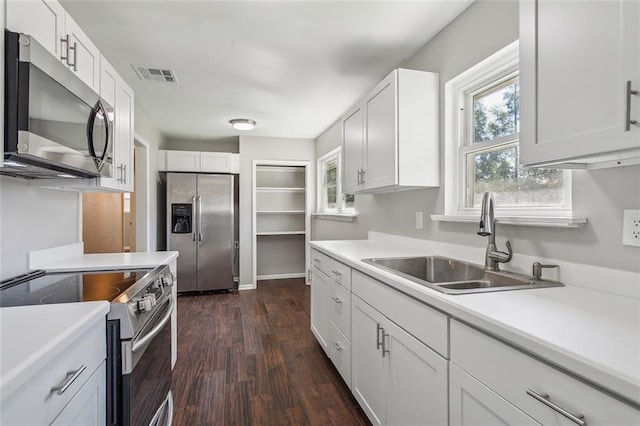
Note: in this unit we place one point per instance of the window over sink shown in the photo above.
(331, 199)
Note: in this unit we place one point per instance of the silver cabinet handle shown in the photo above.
(337, 300)
(358, 178)
(378, 329)
(384, 345)
(124, 174)
(628, 121)
(337, 346)
(362, 172)
(544, 398)
(338, 273)
(75, 57)
(64, 56)
(71, 377)
(199, 218)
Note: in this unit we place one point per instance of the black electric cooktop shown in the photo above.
(39, 288)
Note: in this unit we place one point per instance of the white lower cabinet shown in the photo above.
(67, 390)
(473, 404)
(319, 314)
(547, 395)
(397, 379)
(88, 406)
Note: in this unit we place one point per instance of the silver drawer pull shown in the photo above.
(336, 299)
(71, 377)
(337, 346)
(544, 398)
(338, 273)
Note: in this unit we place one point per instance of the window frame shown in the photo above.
(322, 162)
(459, 91)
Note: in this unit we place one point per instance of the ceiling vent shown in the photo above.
(155, 74)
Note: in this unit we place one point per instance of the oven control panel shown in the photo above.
(153, 292)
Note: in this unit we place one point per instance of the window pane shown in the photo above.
(496, 112)
(349, 201)
(331, 197)
(499, 171)
(332, 173)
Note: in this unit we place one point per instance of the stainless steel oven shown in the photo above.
(138, 333)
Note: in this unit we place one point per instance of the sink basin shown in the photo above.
(454, 276)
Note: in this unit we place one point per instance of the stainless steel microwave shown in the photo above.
(56, 126)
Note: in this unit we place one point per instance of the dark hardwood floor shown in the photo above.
(249, 358)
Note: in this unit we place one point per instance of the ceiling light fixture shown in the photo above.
(242, 124)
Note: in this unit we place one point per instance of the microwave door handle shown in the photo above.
(98, 109)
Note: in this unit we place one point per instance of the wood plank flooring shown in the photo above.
(249, 358)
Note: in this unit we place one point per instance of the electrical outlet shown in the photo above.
(631, 228)
(419, 220)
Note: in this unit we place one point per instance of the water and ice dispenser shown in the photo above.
(181, 218)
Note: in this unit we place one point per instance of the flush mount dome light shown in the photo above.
(242, 124)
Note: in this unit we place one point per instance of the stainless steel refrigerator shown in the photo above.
(202, 227)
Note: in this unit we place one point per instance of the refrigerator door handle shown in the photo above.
(193, 209)
(199, 218)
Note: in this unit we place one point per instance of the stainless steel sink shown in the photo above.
(454, 276)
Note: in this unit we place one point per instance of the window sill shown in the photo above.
(536, 221)
(342, 217)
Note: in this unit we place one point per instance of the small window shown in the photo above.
(330, 196)
(486, 120)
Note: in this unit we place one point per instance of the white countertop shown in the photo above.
(592, 334)
(31, 336)
(102, 261)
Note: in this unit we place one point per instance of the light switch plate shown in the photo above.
(631, 228)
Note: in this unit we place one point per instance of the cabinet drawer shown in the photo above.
(340, 352)
(340, 307)
(321, 261)
(511, 373)
(340, 273)
(34, 402)
(424, 323)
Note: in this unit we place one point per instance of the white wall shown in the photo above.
(145, 128)
(34, 219)
(485, 27)
(259, 148)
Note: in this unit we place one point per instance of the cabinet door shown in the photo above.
(42, 19)
(352, 150)
(183, 161)
(84, 56)
(216, 162)
(416, 380)
(88, 406)
(575, 61)
(319, 314)
(381, 158)
(108, 90)
(124, 134)
(473, 404)
(367, 364)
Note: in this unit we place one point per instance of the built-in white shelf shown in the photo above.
(275, 233)
(273, 189)
(280, 212)
(294, 169)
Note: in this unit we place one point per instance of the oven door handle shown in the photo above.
(140, 343)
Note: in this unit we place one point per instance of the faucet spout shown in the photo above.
(493, 257)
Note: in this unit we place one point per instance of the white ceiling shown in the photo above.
(292, 66)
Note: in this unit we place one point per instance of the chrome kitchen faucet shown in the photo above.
(493, 256)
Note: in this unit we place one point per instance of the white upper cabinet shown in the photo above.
(198, 162)
(124, 135)
(576, 62)
(83, 57)
(48, 22)
(390, 139)
(42, 19)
